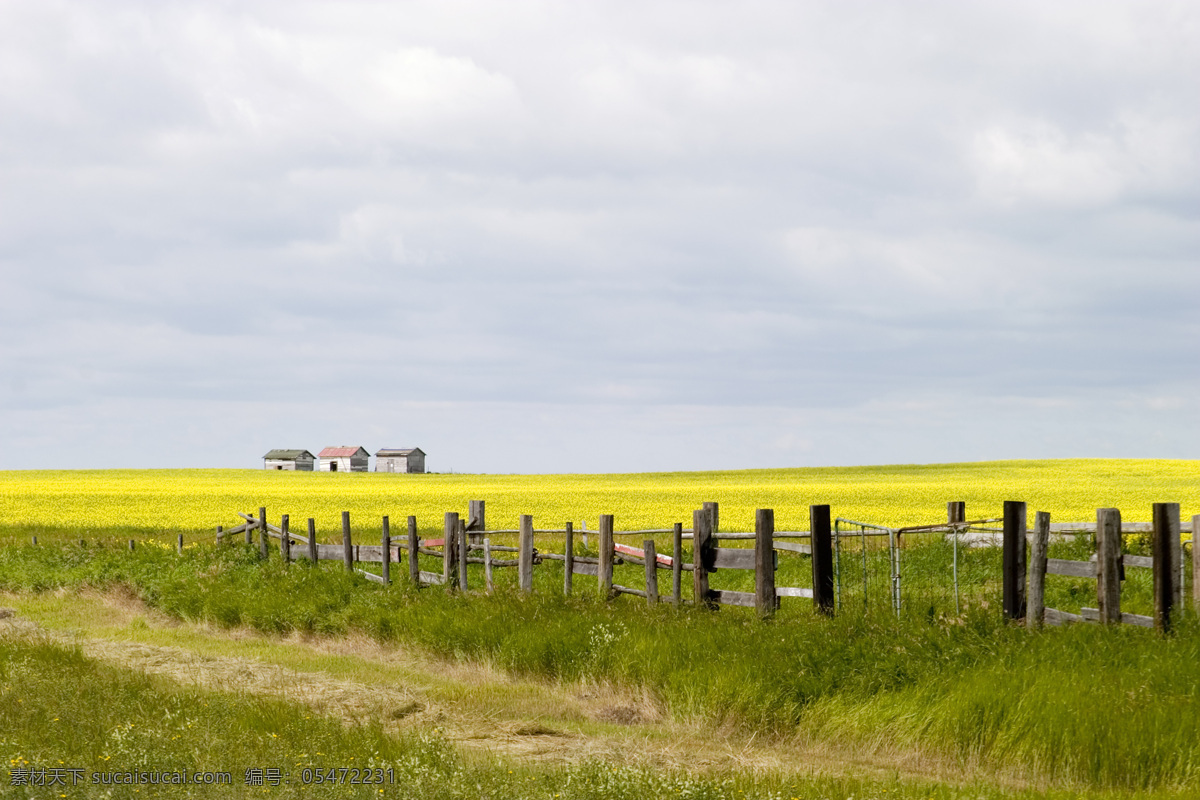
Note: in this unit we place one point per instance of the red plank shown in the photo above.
(637, 551)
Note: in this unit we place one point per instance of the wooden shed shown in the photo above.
(344, 459)
(407, 459)
(293, 460)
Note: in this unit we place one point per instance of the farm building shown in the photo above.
(296, 460)
(344, 459)
(408, 459)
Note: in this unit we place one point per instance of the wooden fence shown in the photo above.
(465, 542)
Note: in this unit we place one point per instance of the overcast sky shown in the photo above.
(598, 236)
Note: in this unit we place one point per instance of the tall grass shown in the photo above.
(1106, 708)
(62, 710)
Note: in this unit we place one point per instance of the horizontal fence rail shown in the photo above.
(853, 563)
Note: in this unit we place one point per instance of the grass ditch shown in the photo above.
(966, 689)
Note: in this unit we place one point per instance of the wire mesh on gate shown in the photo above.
(866, 571)
(929, 570)
(949, 566)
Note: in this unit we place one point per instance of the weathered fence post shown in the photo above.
(651, 571)
(132, 545)
(449, 561)
(1196, 562)
(476, 520)
(604, 571)
(1108, 566)
(764, 562)
(701, 547)
(677, 564)
(414, 566)
(1167, 551)
(525, 554)
(312, 540)
(1014, 559)
(820, 528)
(568, 558)
(220, 535)
(1036, 612)
(714, 514)
(248, 530)
(35, 538)
(179, 544)
(347, 544)
(285, 541)
(956, 512)
(463, 551)
(487, 565)
(386, 540)
(264, 536)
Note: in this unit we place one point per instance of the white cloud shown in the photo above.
(777, 225)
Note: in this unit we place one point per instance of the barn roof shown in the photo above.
(398, 451)
(343, 452)
(288, 455)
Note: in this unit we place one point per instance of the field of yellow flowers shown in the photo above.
(104, 503)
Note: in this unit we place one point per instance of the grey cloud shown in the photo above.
(774, 225)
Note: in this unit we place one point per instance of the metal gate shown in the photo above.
(924, 570)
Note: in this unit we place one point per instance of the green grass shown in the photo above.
(62, 710)
(1101, 708)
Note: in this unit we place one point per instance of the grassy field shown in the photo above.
(213, 659)
(1016, 712)
(118, 503)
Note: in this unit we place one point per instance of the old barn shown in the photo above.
(294, 460)
(344, 459)
(407, 459)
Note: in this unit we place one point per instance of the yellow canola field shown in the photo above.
(161, 502)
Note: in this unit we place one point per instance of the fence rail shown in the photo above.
(840, 553)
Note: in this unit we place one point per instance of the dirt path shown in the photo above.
(481, 708)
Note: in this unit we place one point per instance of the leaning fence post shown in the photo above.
(1014, 559)
(525, 554)
(449, 539)
(1108, 567)
(1036, 612)
(605, 568)
(462, 551)
(714, 514)
(568, 558)
(386, 563)
(347, 544)
(220, 535)
(312, 540)
(285, 541)
(487, 564)
(476, 520)
(414, 567)
(651, 571)
(1196, 562)
(1166, 550)
(821, 542)
(264, 537)
(701, 545)
(764, 562)
(677, 564)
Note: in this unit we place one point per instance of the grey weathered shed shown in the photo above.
(297, 460)
(344, 459)
(407, 459)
